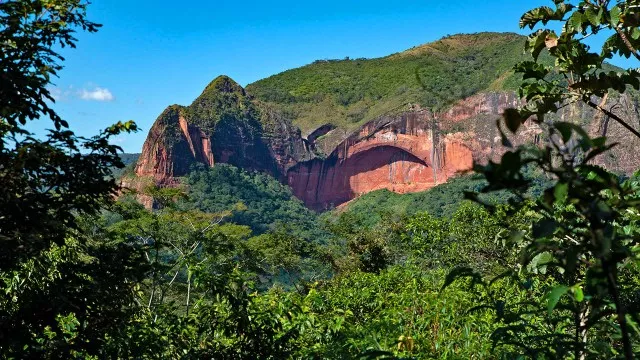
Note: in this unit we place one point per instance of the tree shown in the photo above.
(584, 228)
(579, 74)
(48, 185)
(44, 181)
(198, 299)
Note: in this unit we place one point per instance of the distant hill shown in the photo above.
(129, 158)
(349, 93)
(335, 130)
(129, 161)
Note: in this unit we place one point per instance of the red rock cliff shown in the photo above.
(409, 152)
(402, 154)
(172, 146)
(222, 125)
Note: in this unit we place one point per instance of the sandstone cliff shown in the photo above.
(412, 151)
(364, 123)
(222, 125)
(402, 154)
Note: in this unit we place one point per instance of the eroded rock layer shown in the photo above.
(411, 151)
(400, 154)
(221, 126)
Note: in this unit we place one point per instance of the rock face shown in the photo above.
(412, 151)
(402, 154)
(221, 126)
(474, 120)
(363, 134)
(172, 146)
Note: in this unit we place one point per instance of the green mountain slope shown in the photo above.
(441, 201)
(347, 93)
(129, 160)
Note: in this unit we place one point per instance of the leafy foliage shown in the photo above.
(582, 228)
(66, 300)
(238, 269)
(49, 266)
(265, 202)
(399, 312)
(221, 101)
(441, 201)
(579, 74)
(29, 33)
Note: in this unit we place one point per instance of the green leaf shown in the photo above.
(532, 17)
(531, 70)
(554, 297)
(592, 16)
(536, 42)
(461, 272)
(578, 294)
(615, 15)
(560, 191)
(539, 262)
(576, 21)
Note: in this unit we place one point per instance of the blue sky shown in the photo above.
(153, 53)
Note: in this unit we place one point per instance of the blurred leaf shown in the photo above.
(512, 119)
(544, 228)
(461, 272)
(554, 297)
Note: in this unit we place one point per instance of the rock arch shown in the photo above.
(399, 166)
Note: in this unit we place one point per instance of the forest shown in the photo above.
(535, 256)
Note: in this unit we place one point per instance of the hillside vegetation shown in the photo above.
(259, 201)
(350, 92)
(441, 201)
(129, 161)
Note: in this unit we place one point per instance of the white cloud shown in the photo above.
(59, 94)
(90, 92)
(56, 94)
(97, 94)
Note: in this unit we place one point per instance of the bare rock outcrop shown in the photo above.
(222, 126)
(402, 154)
(408, 152)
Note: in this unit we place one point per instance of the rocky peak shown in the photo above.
(223, 84)
(222, 125)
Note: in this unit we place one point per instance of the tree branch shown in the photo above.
(614, 117)
(627, 43)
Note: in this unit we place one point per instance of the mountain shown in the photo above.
(336, 129)
(223, 125)
(345, 94)
(129, 160)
